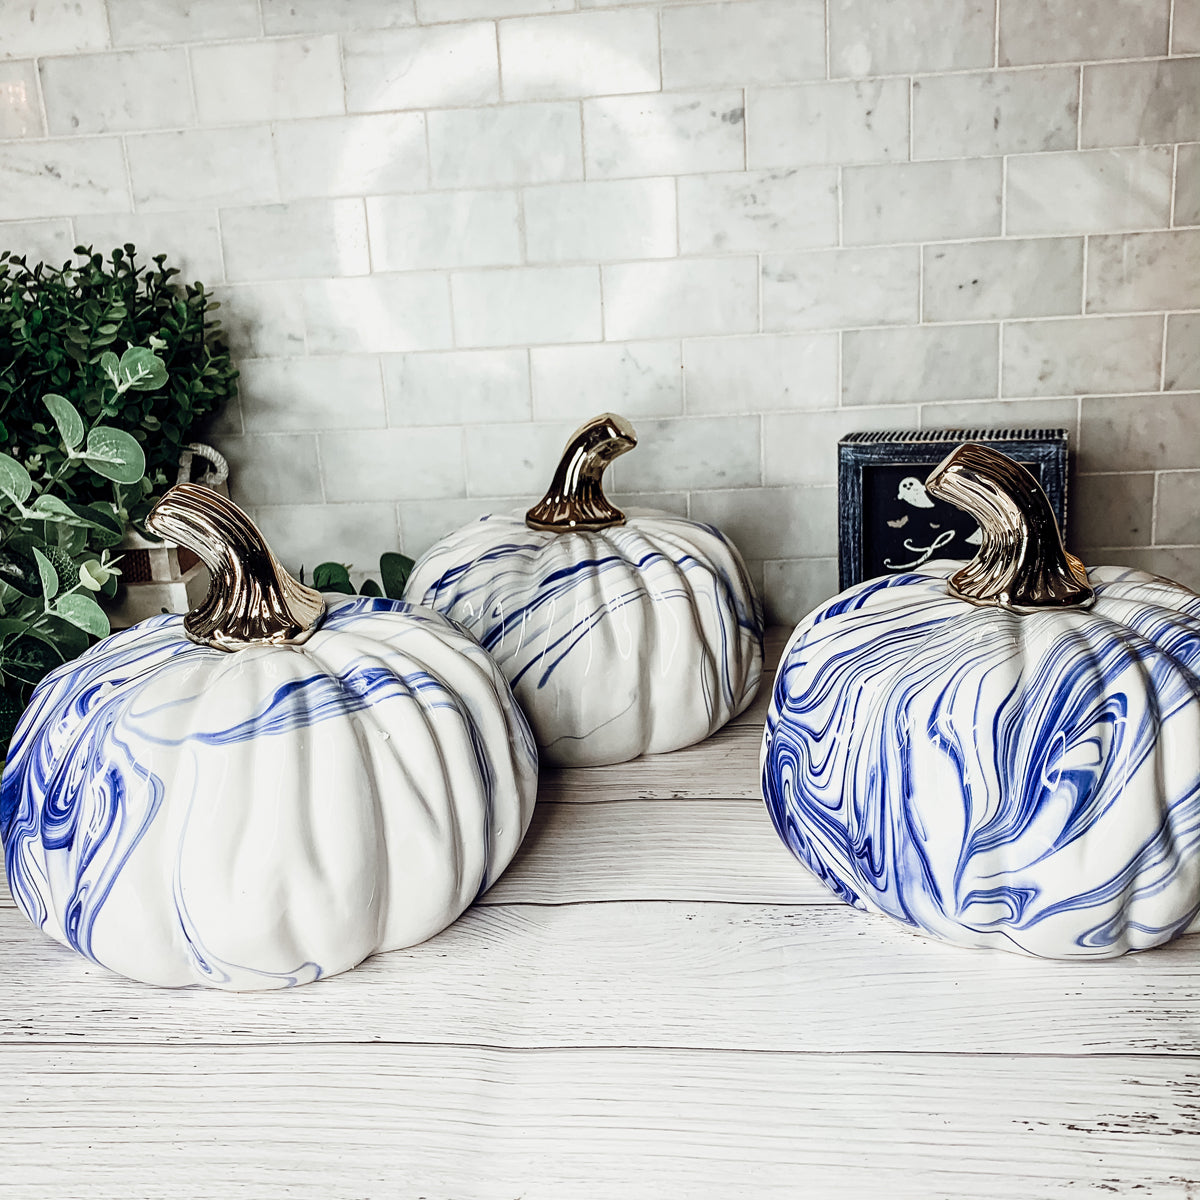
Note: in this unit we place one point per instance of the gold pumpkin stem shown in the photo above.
(252, 600)
(576, 499)
(1021, 564)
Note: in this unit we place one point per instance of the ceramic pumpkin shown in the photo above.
(621, 634)
(1004, 754)
(266, 790)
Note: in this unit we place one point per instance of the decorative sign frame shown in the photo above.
(887, 521)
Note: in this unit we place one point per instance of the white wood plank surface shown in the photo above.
(354, 1121)
(655, 1001)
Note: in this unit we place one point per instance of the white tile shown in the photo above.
(458, 388)
(927, 201)
(36, 27)
(39, 241)
(1129, 104)
(681, 298)
(793, 587)
(828, 289)
(925, 362)
(430, 12)
(786, 209)
(272, 468)
(1139, 272)
(690, 453)
(421, 68)
(773, 522)
(138, 22)
(1138, 433)
(572, 383)
(675, 134)
(1059, 412)
(1091, 191)
(444, 229)
(286, 395)
(600, 220)
(1037, 31)
(516, 306)
(262, 320)
(995, 112)
(373, 154)
(749, 42)
(377, 314)
(1011, 277)
(302, 239)
(849, 121)
(189, 239)
(392, 464)
(870, 38)
(20, 112)
(1177, 504)
(579, 54)
(199, 166)
(115, 93)
(355, 535)
(423, 522)
(496, 147)
(1187, 186)
(515, 461)
(801, 448)
(1081, 354)
(48, 179)
(335, 16)
(1182, 372)
(1111, 510)
(263, 81)
(1185, 27)
(761, 372)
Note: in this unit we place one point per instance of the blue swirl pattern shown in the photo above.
(1025, 782)
(639, 638)
(264, 818)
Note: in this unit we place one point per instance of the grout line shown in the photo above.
(921, 285)
(41, 95)
(1154, 508)
(912, 118)
(838, 395)
(1170, 28)
(129, 184)
(1174, 185)
(221, 255)
(828, 61)
(1004, 196)
(841, 243)
(1079, 112)
(262, 20)
(1162, 365)
(1083, 273)
(1000, 361)
(367, 233)
(499, 63)
(383, 391)
(996, 35)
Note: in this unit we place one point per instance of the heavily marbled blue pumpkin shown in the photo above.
(1029, 782)
(250, 820)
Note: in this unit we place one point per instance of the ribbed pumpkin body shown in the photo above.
(1029, 782)
(636, 639)
(263, 818)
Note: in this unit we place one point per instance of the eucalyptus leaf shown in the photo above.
(83, 612)
(66, 417)
(14, 479)
(395, 569)
(28, 658)
(142, 370)
(332, 577)
(47, 574)
(114, 454)
(51, 507)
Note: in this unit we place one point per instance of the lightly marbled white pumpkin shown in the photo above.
(621, 635)
(1004, 754)
(267, 790)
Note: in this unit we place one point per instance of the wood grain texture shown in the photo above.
(638, 973)
(347, 1122)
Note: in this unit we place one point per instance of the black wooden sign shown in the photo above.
(890, 523)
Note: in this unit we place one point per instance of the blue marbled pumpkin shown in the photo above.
(1023, 781)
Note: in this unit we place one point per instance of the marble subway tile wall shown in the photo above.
(446, 231)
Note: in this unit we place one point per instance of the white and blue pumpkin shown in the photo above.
(1006, 754)
(621, 634)
(262, 793)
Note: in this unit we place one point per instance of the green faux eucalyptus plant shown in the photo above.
(394, 570)
(56, 550)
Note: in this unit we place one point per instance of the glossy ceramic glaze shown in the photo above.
(182, 814)
(1024, 781)
(638, 638)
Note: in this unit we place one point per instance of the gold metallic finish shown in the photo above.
(576, 499)
(1022, 564)
(252, 600)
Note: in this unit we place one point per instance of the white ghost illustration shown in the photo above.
(912, 491)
